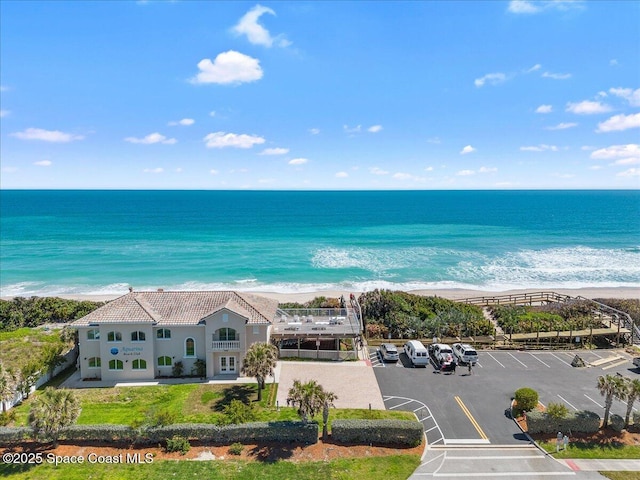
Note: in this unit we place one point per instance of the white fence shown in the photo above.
(69, 359)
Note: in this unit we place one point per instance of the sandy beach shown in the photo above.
(452, 294)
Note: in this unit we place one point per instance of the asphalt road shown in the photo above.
(473, 409)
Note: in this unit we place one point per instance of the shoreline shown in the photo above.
(449, 293)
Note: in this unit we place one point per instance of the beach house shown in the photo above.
(142, 335)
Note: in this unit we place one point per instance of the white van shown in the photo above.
(416, 352)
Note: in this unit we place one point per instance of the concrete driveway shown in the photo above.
(354, 383)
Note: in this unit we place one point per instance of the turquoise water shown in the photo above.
(99, 242)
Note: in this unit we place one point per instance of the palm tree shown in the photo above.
(632, 393)
(308, 397)
(260, 362)
(329, 398)
(610, 387)
(52, 411)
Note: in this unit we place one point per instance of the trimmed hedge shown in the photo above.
(9, 435)
(580, 421)
(256, 432)
(636, 418)
(616, 422)
(377, 432)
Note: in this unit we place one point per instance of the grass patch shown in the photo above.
(621, 475)
(594, 450)
(395, 467)
(19, 347)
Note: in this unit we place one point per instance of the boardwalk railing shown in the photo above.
(622, 319)
(517, 299)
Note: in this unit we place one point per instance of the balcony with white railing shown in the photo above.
(225, 345)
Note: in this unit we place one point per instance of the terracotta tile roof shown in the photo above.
(180, 308)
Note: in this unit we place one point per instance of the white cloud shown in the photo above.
(342, 175)
(544, 109)
(9, 169)
(563, 175)
(179, 170)
(224, 139)
(535, 68)
(374, 128)
(537, 6)
(465, 173)
(595, 167)
(55, 136)
(212, 113)
(587, 148)
(467, 149)
(274, 151)
(4, 113)
(619, 122)
(632, 96)
(4, 88)
(228, 67)
(587, 107)
(256, 33)
(407, 176)
(490, 78)
(428, 169)
(378, 171)
(632, 172)
(613, 62)
(298, 161)
(154, 170)
(435, 140)
(314, 131)
(348, 129)
(522, 6)
(213, 172)
(487, 170)
(151, 139)
(557, 76)
(539, 148)
(563, 126)
(185, 122)
(43, 163)
(622, 154)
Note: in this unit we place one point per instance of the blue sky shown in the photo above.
(320, 95)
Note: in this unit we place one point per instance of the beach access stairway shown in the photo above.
(623, 322)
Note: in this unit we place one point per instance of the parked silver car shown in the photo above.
(465, 353)
(389, 352)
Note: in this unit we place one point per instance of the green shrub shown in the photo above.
(526, 398)
(178, 444)
(557, 411)
(239, 412)
(100, 433)
(581, 421)
(616, 422)
(377, 432)
(9, 435)
(236, 448)
(7, 417)
(178, 369)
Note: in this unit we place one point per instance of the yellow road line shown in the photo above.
(470, 417)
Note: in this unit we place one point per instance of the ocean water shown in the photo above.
(102, 242)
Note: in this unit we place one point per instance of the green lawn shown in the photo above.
(622, 475)
(25, 344)
(592, 450)
(396, 467)
(187, 403)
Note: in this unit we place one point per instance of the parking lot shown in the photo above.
(473, 409)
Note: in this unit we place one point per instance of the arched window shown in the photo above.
(227, 334)
(139, 364)
(163, 334)
(95, 362)
(93, 334)
(114, 337)
(138, 336)
(115, 365)
(189, 347)
(164, 361)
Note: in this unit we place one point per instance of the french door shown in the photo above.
(228, 364)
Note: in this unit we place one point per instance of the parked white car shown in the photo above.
(465, 353)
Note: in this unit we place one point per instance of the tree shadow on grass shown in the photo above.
(244, 393)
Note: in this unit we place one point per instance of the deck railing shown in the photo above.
(224, 345)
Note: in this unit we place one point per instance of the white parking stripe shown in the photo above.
(398, 406)
(567, 364)
(565, 401)
(498, 474)
(536, 357)
(517, 360)
(601, 406)
(496, 360)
